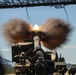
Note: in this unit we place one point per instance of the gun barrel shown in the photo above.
(37, 47)
(36, 42)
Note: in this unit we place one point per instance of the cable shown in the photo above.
(29, 51)
(28, 17)
(66, 13)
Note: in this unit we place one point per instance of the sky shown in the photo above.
(39, 15)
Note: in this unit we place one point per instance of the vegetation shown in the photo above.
(8, 70)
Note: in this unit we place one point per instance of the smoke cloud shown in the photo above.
(16, 30)
(56, 32)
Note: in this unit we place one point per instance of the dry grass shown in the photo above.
(9, 74)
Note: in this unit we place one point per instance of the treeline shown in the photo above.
(31, 1)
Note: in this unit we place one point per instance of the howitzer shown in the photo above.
(27, 52)
(31, 59)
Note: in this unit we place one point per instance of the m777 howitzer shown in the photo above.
(27, 52)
